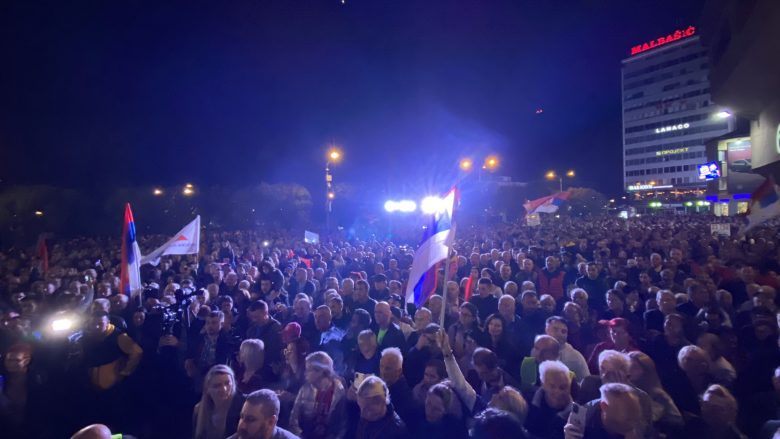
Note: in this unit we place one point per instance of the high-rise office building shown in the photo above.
(668, 115)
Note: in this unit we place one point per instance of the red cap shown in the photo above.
(291, 332)
(616, 322)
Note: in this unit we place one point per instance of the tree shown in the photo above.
(586, 201)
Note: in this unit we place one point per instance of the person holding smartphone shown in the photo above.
(617, 414)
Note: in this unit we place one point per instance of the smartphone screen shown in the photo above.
(577, 416)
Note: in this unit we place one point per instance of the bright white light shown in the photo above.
(723, 114)
(62, 324)
(403, 206)
(407, 206)
(266, 243)
(431, 205)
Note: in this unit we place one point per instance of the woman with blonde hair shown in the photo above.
(216, 415)
(251, 371)
(643, 374)
(320, 407)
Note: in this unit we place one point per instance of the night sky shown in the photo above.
(237, 92)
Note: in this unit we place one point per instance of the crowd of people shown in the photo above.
(649, 327)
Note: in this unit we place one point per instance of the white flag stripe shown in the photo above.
(134, 271)
(432, 251)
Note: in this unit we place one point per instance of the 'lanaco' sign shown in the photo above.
(681, 126)
(679, 35)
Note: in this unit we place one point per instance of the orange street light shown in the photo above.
(157, 192)
(570, 173)
(466, 165)
(334, 155)
(550, 175)
(491, 163)
(188, 191)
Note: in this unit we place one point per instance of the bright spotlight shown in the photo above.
(723, 114)
(403, 206)
(431, 205)
(266, 243)
(61, 324)
(407, 206)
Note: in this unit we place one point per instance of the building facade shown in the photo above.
(668, 116)
(743, 38)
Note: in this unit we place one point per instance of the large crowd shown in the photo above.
(649, 327)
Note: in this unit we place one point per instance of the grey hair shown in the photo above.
(373, 382)
(553, 366)
(393, 352)
(615, 356)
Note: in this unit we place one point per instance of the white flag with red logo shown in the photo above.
(186, 242)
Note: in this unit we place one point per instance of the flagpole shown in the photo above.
(446, 280)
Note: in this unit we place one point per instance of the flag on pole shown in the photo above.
(185, 242)
(130, 277)
(437, 239)
(548, 204)
(765, 205)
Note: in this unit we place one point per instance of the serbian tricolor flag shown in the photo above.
(43, 254)
(435, 246)
(765, 204)
(130, 277)
(548, 204)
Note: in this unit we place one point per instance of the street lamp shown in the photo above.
(334, 156)
(466, 165)
(491, 163)
(188, 190)
(552, 176)
(157, 192)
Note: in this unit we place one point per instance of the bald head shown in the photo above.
(545, 348)
(382, 314)
(94, 431)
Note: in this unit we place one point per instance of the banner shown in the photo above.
(186, 242)
(311, 237)
(720, 229)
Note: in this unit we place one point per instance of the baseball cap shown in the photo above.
(615, 323)
(291, 332)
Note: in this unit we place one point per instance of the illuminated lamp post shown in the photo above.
(334, 157)
(552, 176)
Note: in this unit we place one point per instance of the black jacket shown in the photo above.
(389, 427)
(543, 420)
(393, 338)
(222, 353)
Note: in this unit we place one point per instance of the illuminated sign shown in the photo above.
(678, 35)
(647, 187)
(672, 151)
(679, 126)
